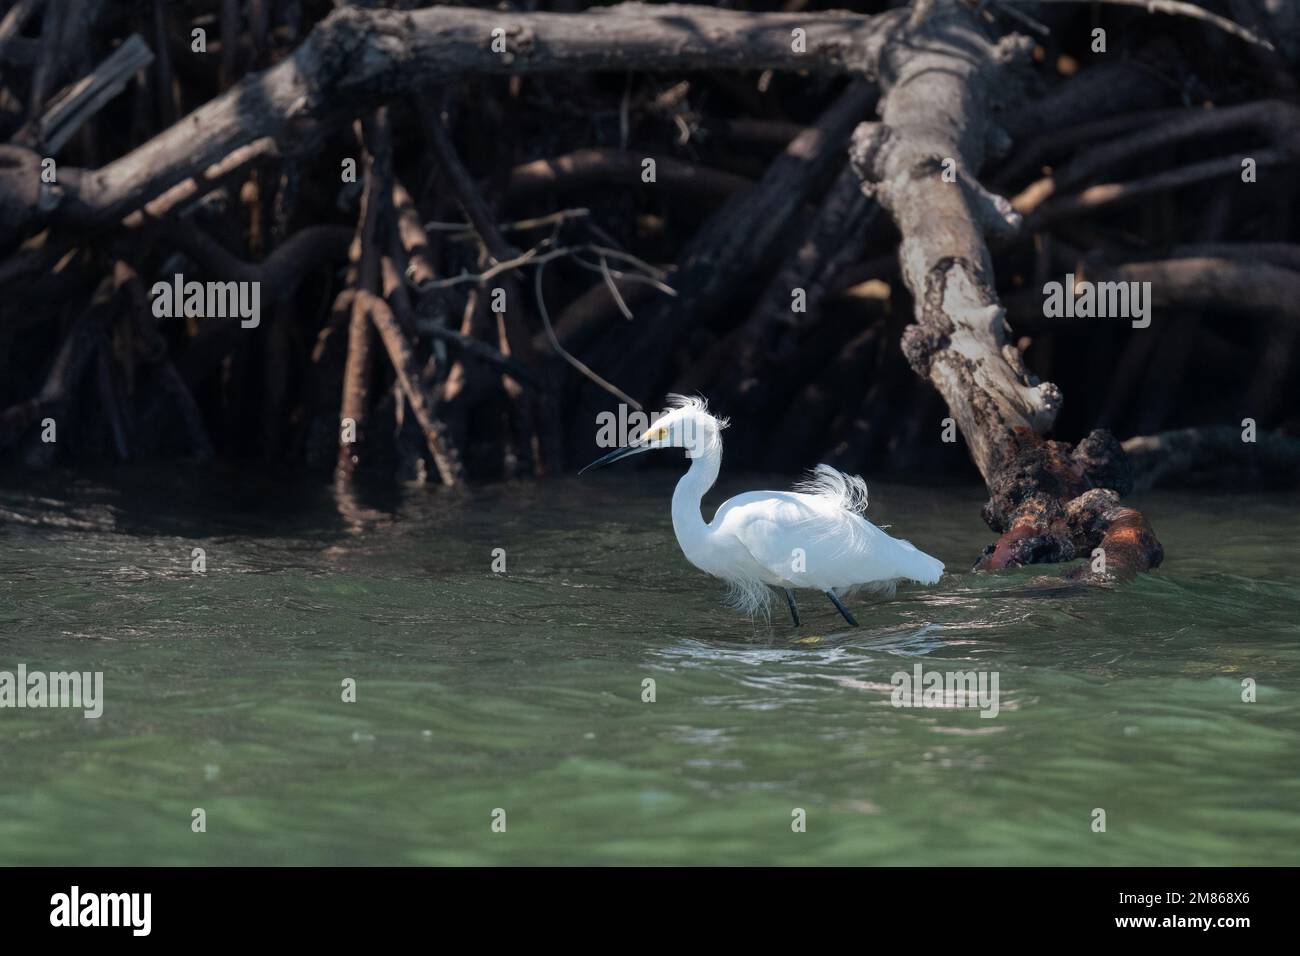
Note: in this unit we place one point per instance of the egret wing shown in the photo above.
(787, 534)
(807, 541)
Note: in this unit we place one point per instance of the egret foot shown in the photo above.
(794, 611)
(839, 605)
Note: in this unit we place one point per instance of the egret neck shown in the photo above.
(688, 523)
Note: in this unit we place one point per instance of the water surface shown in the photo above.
(523, 690)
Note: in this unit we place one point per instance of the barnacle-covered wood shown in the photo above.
(938, 112)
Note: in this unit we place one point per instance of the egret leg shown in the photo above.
(839, 605)
(794, 611)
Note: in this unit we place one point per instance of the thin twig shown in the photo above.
(535, 257)
(1038, 27)
(1175, 8)
(518, 226)
(572, 360)
(625, 276)
(613, 289)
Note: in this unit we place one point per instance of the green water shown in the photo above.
(523, 690)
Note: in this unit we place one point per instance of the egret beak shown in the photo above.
(615, 455)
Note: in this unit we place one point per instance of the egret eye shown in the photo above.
(659, 434)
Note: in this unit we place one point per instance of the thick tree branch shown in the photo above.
(936, 111)
(1049, 503)
(356, 58)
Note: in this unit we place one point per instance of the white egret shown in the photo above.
(812, 537)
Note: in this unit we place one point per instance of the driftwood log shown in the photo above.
(1048, 502)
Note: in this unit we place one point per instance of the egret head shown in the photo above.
(687, 425)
